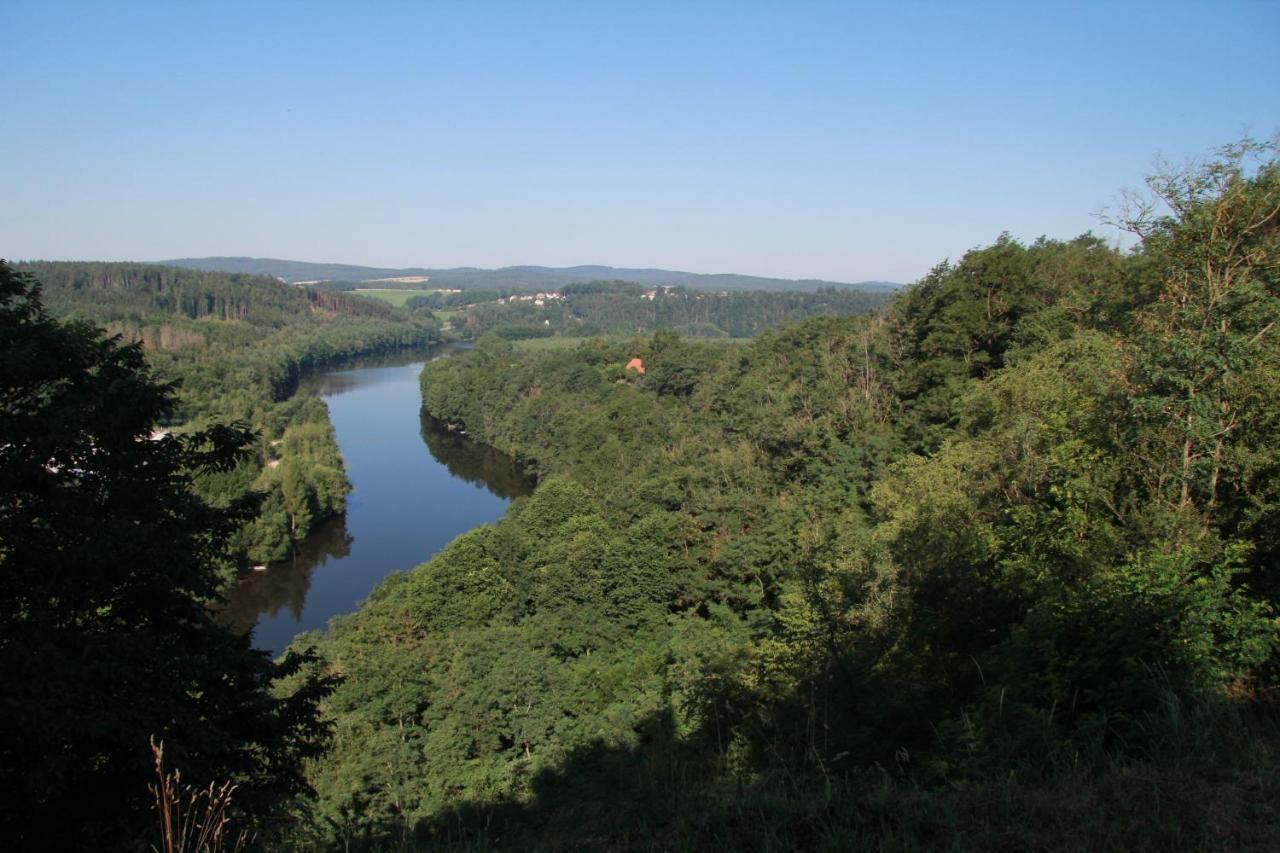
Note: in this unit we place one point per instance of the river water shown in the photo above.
(415, 487)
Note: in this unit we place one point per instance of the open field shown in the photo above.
(391, 296)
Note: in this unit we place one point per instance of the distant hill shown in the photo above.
(512, 277)
(140, 294)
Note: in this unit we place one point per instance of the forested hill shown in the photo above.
(992, 570)
(237, 346)
(611, 308)
(117, 291)
(525, 277)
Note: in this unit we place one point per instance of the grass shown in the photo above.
(191, 819)
(392, 297)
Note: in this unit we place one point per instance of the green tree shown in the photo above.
(1206, 348)
(108, 565)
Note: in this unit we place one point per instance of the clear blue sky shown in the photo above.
(838, 140)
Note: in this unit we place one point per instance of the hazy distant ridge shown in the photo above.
(520, 276)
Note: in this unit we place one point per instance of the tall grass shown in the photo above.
(191, 819)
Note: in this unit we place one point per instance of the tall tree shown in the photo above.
(108, 565)
(1208, 345)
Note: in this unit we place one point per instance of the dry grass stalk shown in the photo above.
(192, 820)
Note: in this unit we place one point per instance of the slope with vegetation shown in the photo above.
(991, 570)
(625, 308)
(237, 346)
(109, 560)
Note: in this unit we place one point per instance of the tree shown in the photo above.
(108, 567)
(1204, 362)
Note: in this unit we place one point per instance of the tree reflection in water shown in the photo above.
(285, 583)
(473, 462)
(283, 588)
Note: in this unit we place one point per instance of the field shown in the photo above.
(396, 297)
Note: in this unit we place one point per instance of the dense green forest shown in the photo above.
(109, 560)
(620, 307)
(236, 347)
(992, 569)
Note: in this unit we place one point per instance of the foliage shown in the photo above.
(108, 562)
(620, 307)
(1004, 530)
(237, 347)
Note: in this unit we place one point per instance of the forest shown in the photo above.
(597, 308)
(235, 347)
(992, 567)
(512, 278)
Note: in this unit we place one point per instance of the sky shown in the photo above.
(845, 141)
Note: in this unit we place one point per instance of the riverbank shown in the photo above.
(414, 488)
(297, 468)
(236, 349)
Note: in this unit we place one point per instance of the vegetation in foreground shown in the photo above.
(109, 560)
(992, 570)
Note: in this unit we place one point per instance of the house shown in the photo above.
(635, 364)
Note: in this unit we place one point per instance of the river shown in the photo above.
(415, 487)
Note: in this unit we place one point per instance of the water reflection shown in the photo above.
(284, 585)
(406, 504)
(473, 462)
(364, 372)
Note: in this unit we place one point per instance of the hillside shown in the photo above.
(623, 308)
(529, 277)
(993, 569)
(236, 345)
